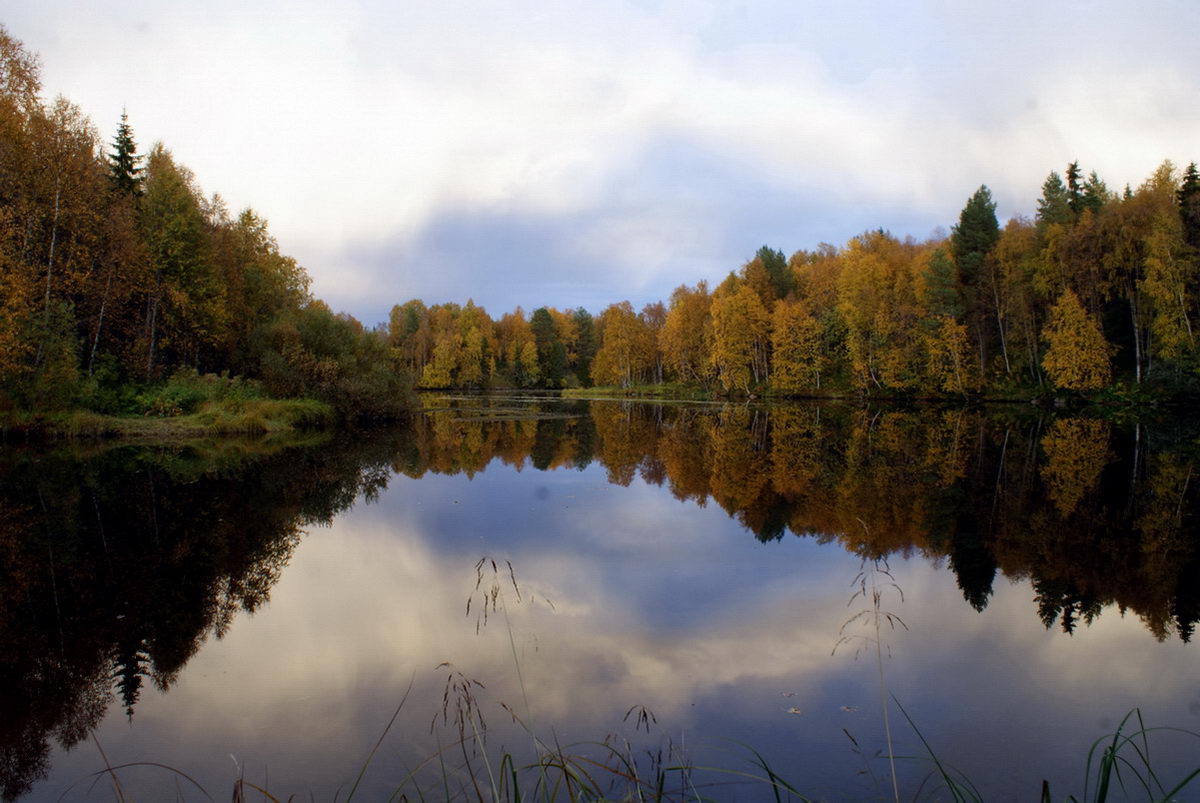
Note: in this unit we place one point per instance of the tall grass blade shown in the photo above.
(379, 741)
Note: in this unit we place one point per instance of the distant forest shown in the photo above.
(117, 273)
(1099, 289)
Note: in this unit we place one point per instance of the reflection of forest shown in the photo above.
(1092, 513)
(115, 567)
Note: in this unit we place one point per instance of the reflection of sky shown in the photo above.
(655, 602)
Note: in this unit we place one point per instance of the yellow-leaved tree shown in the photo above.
(951, 363)
(796, 358)
(627, 347)
(741, 334)
(1077, 355)
(686, 335)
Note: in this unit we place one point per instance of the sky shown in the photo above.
(578, 153)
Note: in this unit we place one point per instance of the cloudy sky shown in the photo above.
(581, 152)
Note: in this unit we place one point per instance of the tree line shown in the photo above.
(116, 271)
(1098, 287)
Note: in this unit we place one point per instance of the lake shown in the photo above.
(627, 587)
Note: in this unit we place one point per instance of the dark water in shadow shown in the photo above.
(247, 610)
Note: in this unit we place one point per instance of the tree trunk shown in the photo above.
(1137, 339)
(100, 321)
(1000, 326)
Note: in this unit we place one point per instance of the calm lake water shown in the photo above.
(679, 580)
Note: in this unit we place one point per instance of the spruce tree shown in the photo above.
(585, 345)
(1054, 205)
(975, 235)
(1095, 193)
(777, 270)
(1075, 187)
(124, 170)
(1189, 205)
(972, 242)
(942, 289)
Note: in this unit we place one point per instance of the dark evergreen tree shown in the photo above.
(545, 337)
(556, 364)
(943, 290)
(777, 269)
(975, 235)
(972, 242)
(1075, 187)
(974, 567)
(124, 170)
(1189, 205)
(543, 330)
(1095, 193)
(585, 345)
(1054, 206)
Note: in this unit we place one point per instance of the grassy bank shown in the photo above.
(187, 405)
(244, 417)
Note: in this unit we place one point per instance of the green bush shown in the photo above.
(187, 390)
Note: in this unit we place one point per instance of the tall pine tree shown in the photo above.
(1054, 206)
(124, 163)
(1075, 187)
(1189, 205)
(972, 242)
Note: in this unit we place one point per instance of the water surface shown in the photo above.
(259, 611)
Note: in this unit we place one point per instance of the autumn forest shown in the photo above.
(118, 273)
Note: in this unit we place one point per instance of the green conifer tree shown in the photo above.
(777, 270)
(585, 345)
(943, 292)
(972, 242)
(124, 163)
(1075, 187)
(1095, 193)
(1189, 205)
(976, 234)
(1054, 206)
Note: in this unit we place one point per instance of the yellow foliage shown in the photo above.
(1077, 354)
(796, 358)
(1076, 452)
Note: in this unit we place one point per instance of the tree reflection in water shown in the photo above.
(116, 565)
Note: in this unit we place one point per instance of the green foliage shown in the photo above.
(1055, 204)
(943, 291)
(1189, 205)
(975, 235)
(1074, 188)
(585, 345)
(552, 354)
(1095, 193)
(187, 390)
(776, 266)
(52, 381)
(125, 172)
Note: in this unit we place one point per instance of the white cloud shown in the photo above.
(357, 127)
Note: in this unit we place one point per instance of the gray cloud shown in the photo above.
(580, 152)
(677, 213)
